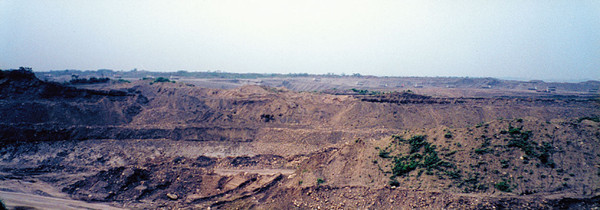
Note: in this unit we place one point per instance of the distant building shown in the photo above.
(317, 79)
(48, 77)
(551, 89)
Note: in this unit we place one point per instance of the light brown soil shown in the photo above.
(178, 146)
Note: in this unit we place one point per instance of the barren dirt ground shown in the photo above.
(174, 145)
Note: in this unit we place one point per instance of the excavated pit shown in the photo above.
(143, 145)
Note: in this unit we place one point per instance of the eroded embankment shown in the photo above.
(172, 145)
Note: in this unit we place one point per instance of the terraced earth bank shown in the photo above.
(175, 145)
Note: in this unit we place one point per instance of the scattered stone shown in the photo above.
(172, 196)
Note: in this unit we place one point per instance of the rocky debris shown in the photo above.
(172, 196)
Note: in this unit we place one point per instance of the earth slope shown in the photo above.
(141, 145)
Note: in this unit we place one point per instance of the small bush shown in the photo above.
(422, 155)
(384, 153)
(416, 142)
(161, 79)
(320, 181)
(448, 135)
(454, 174)
(482, 151)
(91, 80)
(503, 186)
(479, 124)
(505, 163)
(394, 183)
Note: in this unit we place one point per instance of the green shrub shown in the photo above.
(505, 163)
(320, 181)
(161, 79)
(384, 153)
(416, 142)
(503, 186)
(482, 151)
(394, 183)
(422, 155)
(448, 135)
(523, 141)
(402, 167)
(454, 174)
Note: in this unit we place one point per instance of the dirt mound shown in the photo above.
(24, 99)
(22, 84)
(504, 156)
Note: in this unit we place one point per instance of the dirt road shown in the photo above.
(254, 171)
(13, 200)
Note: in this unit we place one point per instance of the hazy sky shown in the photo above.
(541, 39)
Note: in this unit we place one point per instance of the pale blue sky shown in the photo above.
(535, 39)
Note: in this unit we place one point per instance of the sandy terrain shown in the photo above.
(176, 145)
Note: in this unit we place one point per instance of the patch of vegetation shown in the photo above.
(450, 153)
(91, 80)
(448, 135)
(503, 186)
(384, 153)
(162, 79)
(455, 174)
(421, 154)
(483, 150)
(320, 181)
(522, 140)
(471, 184)
(505, 163)
(360, 92)
(366, 92)
(267, 117)
(394, 183)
